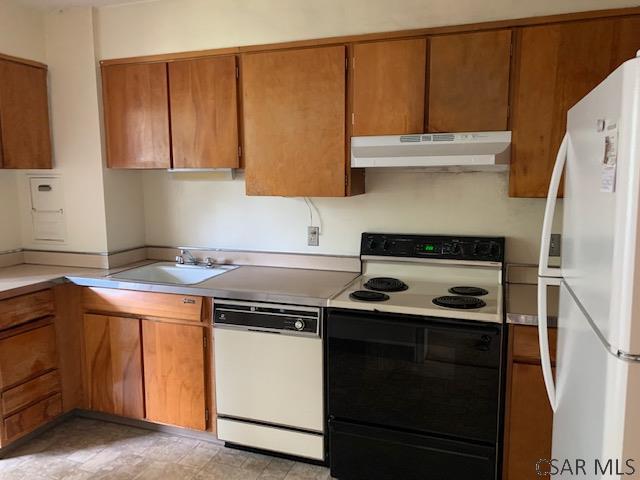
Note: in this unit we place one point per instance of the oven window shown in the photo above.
(435, 376)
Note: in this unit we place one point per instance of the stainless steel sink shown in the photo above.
(166, 272)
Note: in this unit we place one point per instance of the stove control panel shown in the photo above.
(445, 247)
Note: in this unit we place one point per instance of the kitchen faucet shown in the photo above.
(191, 260)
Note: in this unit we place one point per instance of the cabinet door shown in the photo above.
(469, 82)
(294, 122)
(389, 87)
(174, 374)
(530, 422)
(136, 115)
(113, 365)
(555, 66)
(204, 115)
(25, 139)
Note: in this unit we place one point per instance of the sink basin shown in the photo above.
(172, 273)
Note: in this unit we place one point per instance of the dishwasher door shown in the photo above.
(269, 377)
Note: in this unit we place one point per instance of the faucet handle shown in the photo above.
(208, 261)
(179, 260)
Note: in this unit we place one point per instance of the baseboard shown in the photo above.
(5, 451)
(131, 422)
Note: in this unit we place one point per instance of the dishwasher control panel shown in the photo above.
(267, 317)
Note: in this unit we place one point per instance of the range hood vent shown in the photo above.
(479, 151)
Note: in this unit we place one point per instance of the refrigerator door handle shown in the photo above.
(543, 338)
(549, 212)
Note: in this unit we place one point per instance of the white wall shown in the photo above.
(204, 210)
(21, 31)
(179, 25)
(21, 35)
(99, 217)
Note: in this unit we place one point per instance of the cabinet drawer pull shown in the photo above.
(188, 300)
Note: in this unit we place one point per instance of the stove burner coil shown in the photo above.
(459, 301)
(386, 284)
(472, 291)
(368, 296)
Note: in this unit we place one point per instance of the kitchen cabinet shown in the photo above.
(293, 105)
(147, 356)
(136, 115)
(554, 67)
(469, 81)
(388, 87)
(174, 374)
(30, 384)
(204, 114)
(181, 115)
(113, 365)
(25, 137)
(529, 418)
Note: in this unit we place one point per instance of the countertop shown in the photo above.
(522, 304)
(24, 278)
(254, 283)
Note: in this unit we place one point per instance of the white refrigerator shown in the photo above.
(595, 392)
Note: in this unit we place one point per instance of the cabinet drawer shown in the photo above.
(36, 389)
(25, 355)
(182, 307)
(525, 343)
(31, 418)
(22, 309)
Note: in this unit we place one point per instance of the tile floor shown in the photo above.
(80, 449)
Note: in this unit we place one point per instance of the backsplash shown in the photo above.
(196, 210)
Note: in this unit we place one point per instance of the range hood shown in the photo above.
(472, 151)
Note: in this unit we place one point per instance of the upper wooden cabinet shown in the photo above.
(25, 137)
(136, 115)
(204, 114)
(469, 82)
(181, 115)
(294, 122)
(388, 89)
(555, 66)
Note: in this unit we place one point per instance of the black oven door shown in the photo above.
(425, 375)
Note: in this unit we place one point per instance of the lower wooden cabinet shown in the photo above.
(529, 418)
(113, 365)
(174, 374)
(30, 386)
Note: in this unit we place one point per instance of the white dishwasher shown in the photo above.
(269, 377)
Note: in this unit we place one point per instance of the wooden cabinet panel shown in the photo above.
(27, 354)
(469, 82)
(389, 87)
(113, 365)
(294, 122)
(36, 389)
(174, 374)
(555, 66)
(526, 347)
(25, 137)
(18, 310)
(136, 115)
(530, 423)
(204, 114)
(166, 305)
(31, 418)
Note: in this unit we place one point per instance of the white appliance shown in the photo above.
(472, 151)
(269, 377)
(596, 394)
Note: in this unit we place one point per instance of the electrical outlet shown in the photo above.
(313, 236)
(554, 245)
